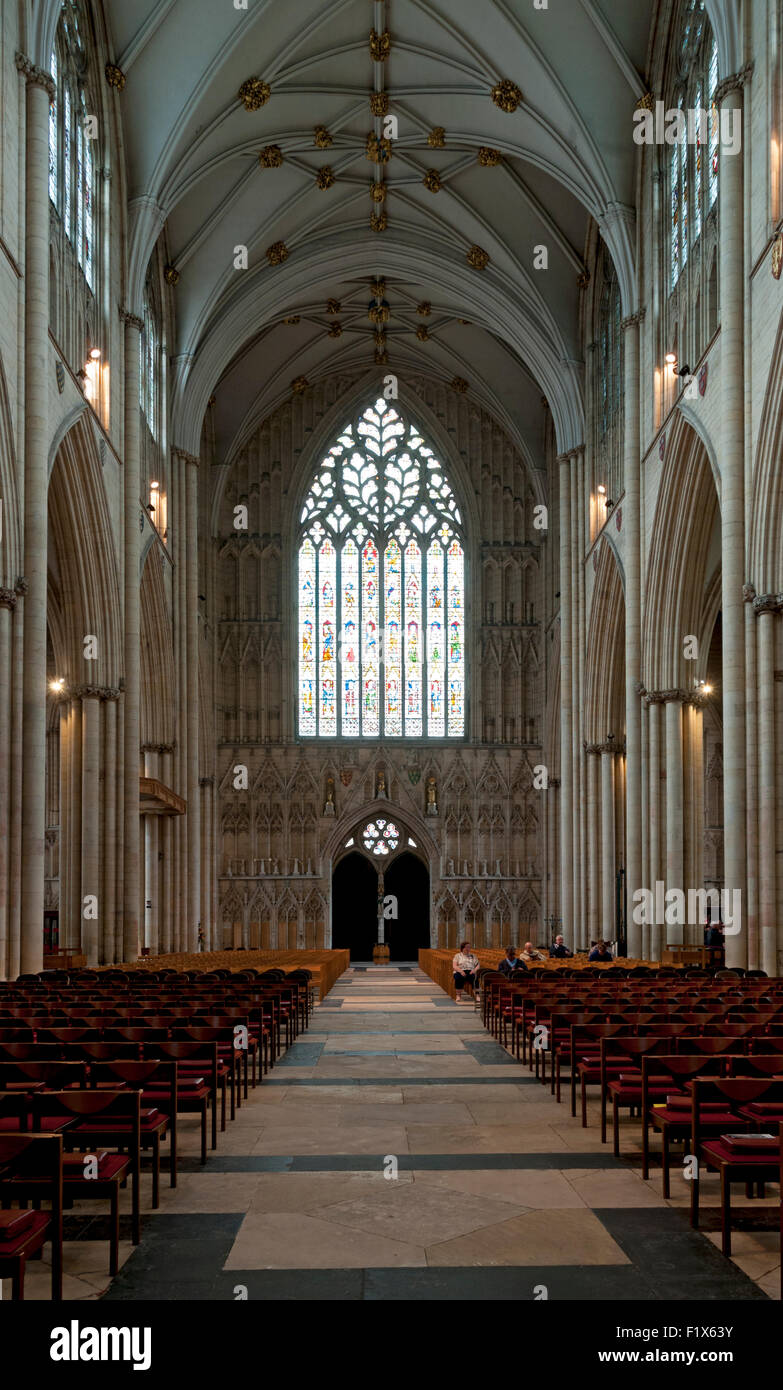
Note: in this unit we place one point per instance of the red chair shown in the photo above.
(157, 1084)
(98, 1118)
(742, 1154)
(37, 1159)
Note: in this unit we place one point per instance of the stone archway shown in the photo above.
(380, 868)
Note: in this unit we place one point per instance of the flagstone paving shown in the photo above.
(396, 1151)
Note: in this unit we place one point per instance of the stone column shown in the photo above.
(633, 624)
(90, 830)
(110, 846)
(73, 922)
(193, 790)
(40, 90)
(751, 912)
(576, 710)
(17, 779)
(765, 608)
(566, 723)
(607, 921)
(731, 273)
(553, 850)
(7, 606)
(654, 832)
(132, 706)
(581, 783)
(593, 759)
(674, 811)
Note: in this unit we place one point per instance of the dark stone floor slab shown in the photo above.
(368, 1163)
(177, 1252)
(490, 1053)
(524, 1080)
(678, 1262)
(594, 1283)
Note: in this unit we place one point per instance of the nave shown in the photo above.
(499, 1193)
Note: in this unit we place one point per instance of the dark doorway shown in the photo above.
(355, 906)
(408, 880)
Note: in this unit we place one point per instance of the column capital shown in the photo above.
(183, 454)
(158, 747)
(22, 585)
(7, 599)
(610, 746)
(592, 747)
(132, 320)
(553, 782)
(733, 83)
(640, 688)
(35, 76)
(767, 603)
(206, 781)
(633, 320)
(748, 593)
(90, 692)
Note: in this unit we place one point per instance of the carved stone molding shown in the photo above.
(158, 747)
(183, 454)
(640, 688)
(132, 319)
(748, 593)
(22, 585)
(37, 77)
(7, 599)
(768, 603)
(554, 782)
(206, 781)
(611, 746)
(91, 692)
(632, 319)
(591, 748)
(734, 83)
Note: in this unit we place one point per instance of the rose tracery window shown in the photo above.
(380, 837)
(381, 588)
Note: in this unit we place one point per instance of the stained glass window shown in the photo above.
(693, 160)
(72, 135)
(380, 837)
(381, 553)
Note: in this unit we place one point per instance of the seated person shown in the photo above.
(713, 937)
(519, 966)
(508, 962)
(466, 968)
(559, 948)
(601, 951)
(530, 952)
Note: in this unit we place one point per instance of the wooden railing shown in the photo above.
(325, 966)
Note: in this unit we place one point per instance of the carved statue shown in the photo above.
(432, 797)
(329, 803)
(380, 787)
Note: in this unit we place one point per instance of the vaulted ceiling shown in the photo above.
(513, 128)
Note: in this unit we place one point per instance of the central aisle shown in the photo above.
(396, 1151)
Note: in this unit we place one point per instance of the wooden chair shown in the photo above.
(99, 1118)
(741, 1155)
(37, 1159)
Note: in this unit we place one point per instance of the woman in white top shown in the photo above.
(466, 968)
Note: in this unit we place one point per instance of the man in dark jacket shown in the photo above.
(508, 962)
(559, 948)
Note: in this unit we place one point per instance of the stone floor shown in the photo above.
(397, 1152)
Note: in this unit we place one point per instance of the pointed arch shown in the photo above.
(605, 664)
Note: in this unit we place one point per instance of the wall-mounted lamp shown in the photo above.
(95, 354)
(57, 685)
(703, 688)
(154, 487)
(601, 490)
(671, 359)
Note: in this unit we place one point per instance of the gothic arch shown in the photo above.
(766, 520)
(604, 692)
(686, 517)
(82, 561)
(157, 659)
